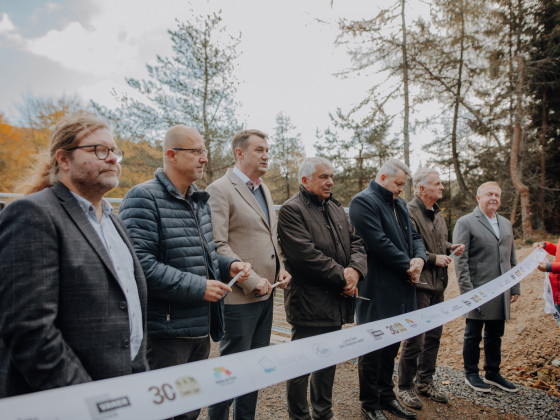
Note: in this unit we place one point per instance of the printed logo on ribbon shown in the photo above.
(350, 341)
(104, 406)
(411, 323)
(267, 364)
(187, 385)
(376, 334)
(321, 350)
(223, 376)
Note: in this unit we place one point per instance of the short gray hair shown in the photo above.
(391, 167)
(307, 167)
(486, 184)
(420, 177)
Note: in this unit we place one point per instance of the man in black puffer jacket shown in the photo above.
(168, 219)
(326, 259)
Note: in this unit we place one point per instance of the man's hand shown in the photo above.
(284, 278)
(459, 247)
(539, 245)
(542, 266)
(262, 288)
(351, 275)
(238, 266)
(215, 290)
(443, 260)
(416, 265)
(514, 298)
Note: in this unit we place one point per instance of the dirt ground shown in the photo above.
(529, 347)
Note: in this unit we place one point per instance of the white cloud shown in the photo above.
(7, 29)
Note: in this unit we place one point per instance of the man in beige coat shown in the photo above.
(244, 226)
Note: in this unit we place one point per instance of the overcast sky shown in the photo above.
(88, 47)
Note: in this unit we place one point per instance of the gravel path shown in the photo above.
(464, 403)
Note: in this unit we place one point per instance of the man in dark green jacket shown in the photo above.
(326, 259)
(419, 354)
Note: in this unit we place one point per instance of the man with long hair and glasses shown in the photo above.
(73, 294)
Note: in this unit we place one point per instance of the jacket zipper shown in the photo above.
(206, 260)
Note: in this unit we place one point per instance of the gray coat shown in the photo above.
(63, 316)
(485, 258)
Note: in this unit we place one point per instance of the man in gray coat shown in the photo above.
(489, 252)
(72, 295)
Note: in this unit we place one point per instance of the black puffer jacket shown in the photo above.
(171, 241)
(318, 243)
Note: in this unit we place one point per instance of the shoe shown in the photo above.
(373, 415)
(476, 383)
(409, 398)
(398, 410)
(498, 380)
(430, 391)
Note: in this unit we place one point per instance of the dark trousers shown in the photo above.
(165, 352)
(247, 326)
(419, 354)
(375, 372)
(321, 383)
(493, 333)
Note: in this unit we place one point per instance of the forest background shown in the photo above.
(484, 76)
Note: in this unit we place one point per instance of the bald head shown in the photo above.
(178, 135)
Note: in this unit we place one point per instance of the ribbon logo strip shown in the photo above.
(178, 389)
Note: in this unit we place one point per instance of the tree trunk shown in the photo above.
(513, 215)
(543, 136)
(515, 172)
(407, 188)
(454, 153)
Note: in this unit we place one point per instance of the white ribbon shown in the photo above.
(178, 389)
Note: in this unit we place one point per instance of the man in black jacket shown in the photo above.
(168, 219)
(395, 255)
(326, 259)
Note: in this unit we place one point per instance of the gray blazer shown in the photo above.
(485, 258)
(63, 317)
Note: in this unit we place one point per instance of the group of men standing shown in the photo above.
(86, 296)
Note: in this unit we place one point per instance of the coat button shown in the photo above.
(272, 256)
(126, 343)
(122, 305)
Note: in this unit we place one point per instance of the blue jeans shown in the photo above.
(247, 326)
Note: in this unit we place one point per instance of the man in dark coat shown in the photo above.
(395, 255)
(489, 252)
(417, 362)
(326, 259)
(169, 221)
(73, 294)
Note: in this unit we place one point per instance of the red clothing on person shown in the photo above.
(554, 275)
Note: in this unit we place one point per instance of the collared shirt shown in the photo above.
(254, 187)
(494, 223)
(122, 263)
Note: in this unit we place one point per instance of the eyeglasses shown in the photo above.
(197, 152)
(101, 151)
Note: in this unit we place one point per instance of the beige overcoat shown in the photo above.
(241, 231)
